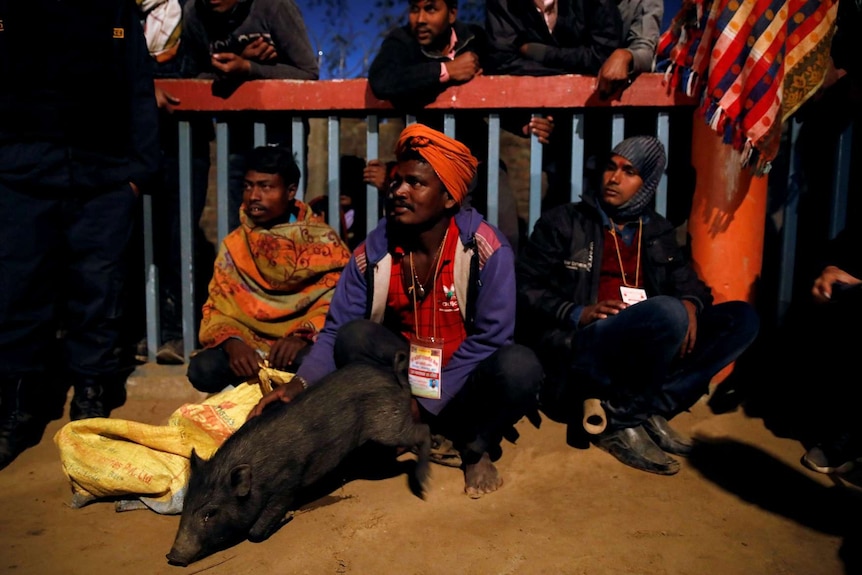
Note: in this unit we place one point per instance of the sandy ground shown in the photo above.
(741, 505)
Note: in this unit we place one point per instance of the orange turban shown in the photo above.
(451, 160)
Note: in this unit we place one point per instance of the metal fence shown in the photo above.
(335, 101)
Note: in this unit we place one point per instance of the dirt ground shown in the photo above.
(741, 505)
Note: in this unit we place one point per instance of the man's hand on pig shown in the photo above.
(283, 393)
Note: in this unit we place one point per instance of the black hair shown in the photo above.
(451, 4)
(273, 160)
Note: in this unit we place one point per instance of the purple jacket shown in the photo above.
(484, 281)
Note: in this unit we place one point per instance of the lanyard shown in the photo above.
(435, 268)
(620, 258)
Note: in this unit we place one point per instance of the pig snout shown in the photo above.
(177, 559)
(183, 552)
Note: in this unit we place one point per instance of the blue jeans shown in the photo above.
(632, 360)
(500, 391)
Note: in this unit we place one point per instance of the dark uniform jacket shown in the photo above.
(77, 105)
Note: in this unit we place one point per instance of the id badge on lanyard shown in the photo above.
(632, 295)
(425, 369)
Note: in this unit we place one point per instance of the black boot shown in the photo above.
(96, 397)
(667, 437)
(20, 426)
(633, 446)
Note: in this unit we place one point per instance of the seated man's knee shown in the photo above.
(206, 373)
(669, 314)
(352, 339)
(519, 366)
(357, 330)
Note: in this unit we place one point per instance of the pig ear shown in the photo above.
(240, 480)
(195, 460)
(400, 362)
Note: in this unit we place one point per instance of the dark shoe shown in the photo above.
(88, 402)
(832, 457)
(171, 353)
(18, 431)
(727, 396)
(634, 447)
(666, 436)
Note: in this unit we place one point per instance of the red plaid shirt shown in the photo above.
(438, 315)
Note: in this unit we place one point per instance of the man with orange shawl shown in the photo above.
(273, 280)
(435, 280)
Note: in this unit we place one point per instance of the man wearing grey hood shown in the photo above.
(628, 334)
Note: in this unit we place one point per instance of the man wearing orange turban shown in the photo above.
(451, 160)
(435, 280)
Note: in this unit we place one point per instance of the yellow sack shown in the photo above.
(144, 465)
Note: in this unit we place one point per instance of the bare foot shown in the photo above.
(481, 478)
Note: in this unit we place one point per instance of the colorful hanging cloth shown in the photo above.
(753, 63)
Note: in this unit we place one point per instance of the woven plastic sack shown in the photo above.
(140, 465)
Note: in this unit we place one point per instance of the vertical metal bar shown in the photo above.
(409, 119)
(151, 275)
(297, 137)
(449, 124)
(493, 192)
(535, 183)
(577, 163)
(372, 151)
(187, 265)
(787, 261)
(663, 135)
(841, 186)
(618, 129)
(259, 134)
(334, 188)
(222, 202)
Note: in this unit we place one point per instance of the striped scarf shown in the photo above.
(753, 62)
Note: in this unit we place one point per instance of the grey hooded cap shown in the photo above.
(647, 155)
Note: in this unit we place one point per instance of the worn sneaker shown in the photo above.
(171, 353)
(833, 457)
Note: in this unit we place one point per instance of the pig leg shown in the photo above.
(411, 435)
(271, 519)
(422, 440)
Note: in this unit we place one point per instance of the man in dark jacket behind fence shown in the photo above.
(418, 61)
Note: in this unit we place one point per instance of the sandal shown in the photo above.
(443, 452)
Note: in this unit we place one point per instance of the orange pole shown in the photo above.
(727, 220)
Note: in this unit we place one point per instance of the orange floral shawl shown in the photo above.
(269, 283)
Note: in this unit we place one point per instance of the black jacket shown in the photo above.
(559, 270)
(408, 76)
(586, 33)
(77, 105)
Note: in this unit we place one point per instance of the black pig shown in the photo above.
(246, 489)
